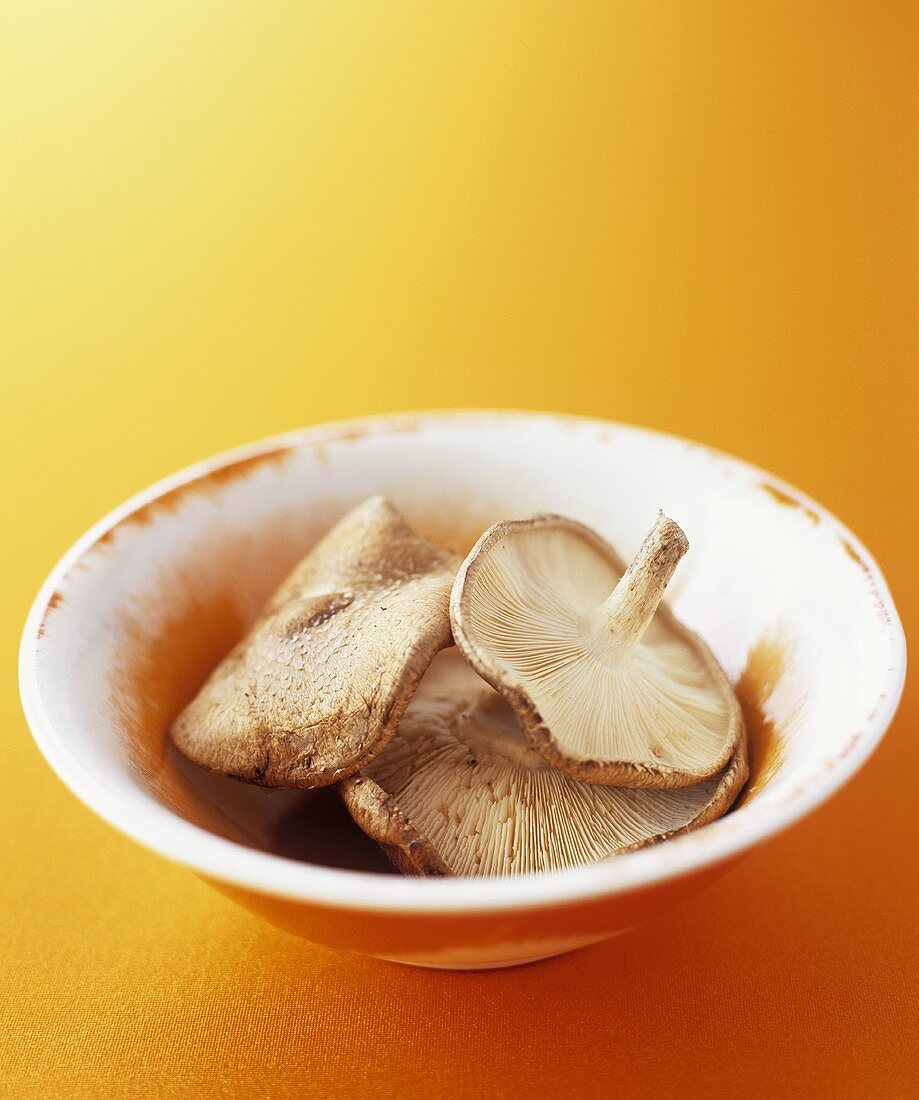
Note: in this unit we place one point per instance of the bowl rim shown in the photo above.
(161, 830)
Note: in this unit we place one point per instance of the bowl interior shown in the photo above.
(144, 607)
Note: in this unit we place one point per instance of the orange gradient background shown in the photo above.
(218, 221)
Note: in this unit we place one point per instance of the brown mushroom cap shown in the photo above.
(319, 684)
(608, 685)
(460, 790)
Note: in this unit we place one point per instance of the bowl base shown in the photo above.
(496, 959)
(503, 964)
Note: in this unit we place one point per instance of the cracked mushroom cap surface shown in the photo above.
(318, 685)
(608, 685)
(460, 790)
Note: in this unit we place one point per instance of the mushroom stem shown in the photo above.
(627, 612)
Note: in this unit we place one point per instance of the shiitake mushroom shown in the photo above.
(318, 685)
(606, 682)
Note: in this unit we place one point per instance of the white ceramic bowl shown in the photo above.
(135, 615)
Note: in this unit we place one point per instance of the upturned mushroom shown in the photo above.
(319, 684)
(460, 790)
(607, 684)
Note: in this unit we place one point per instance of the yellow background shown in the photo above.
(220, 220)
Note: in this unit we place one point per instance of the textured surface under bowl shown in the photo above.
(134, 617)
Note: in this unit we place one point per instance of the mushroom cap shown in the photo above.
(320, 682)
(461, 790)
(525, 608)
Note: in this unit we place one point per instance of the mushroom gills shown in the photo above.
(318, 685)
(468, 794)
(608, 685)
